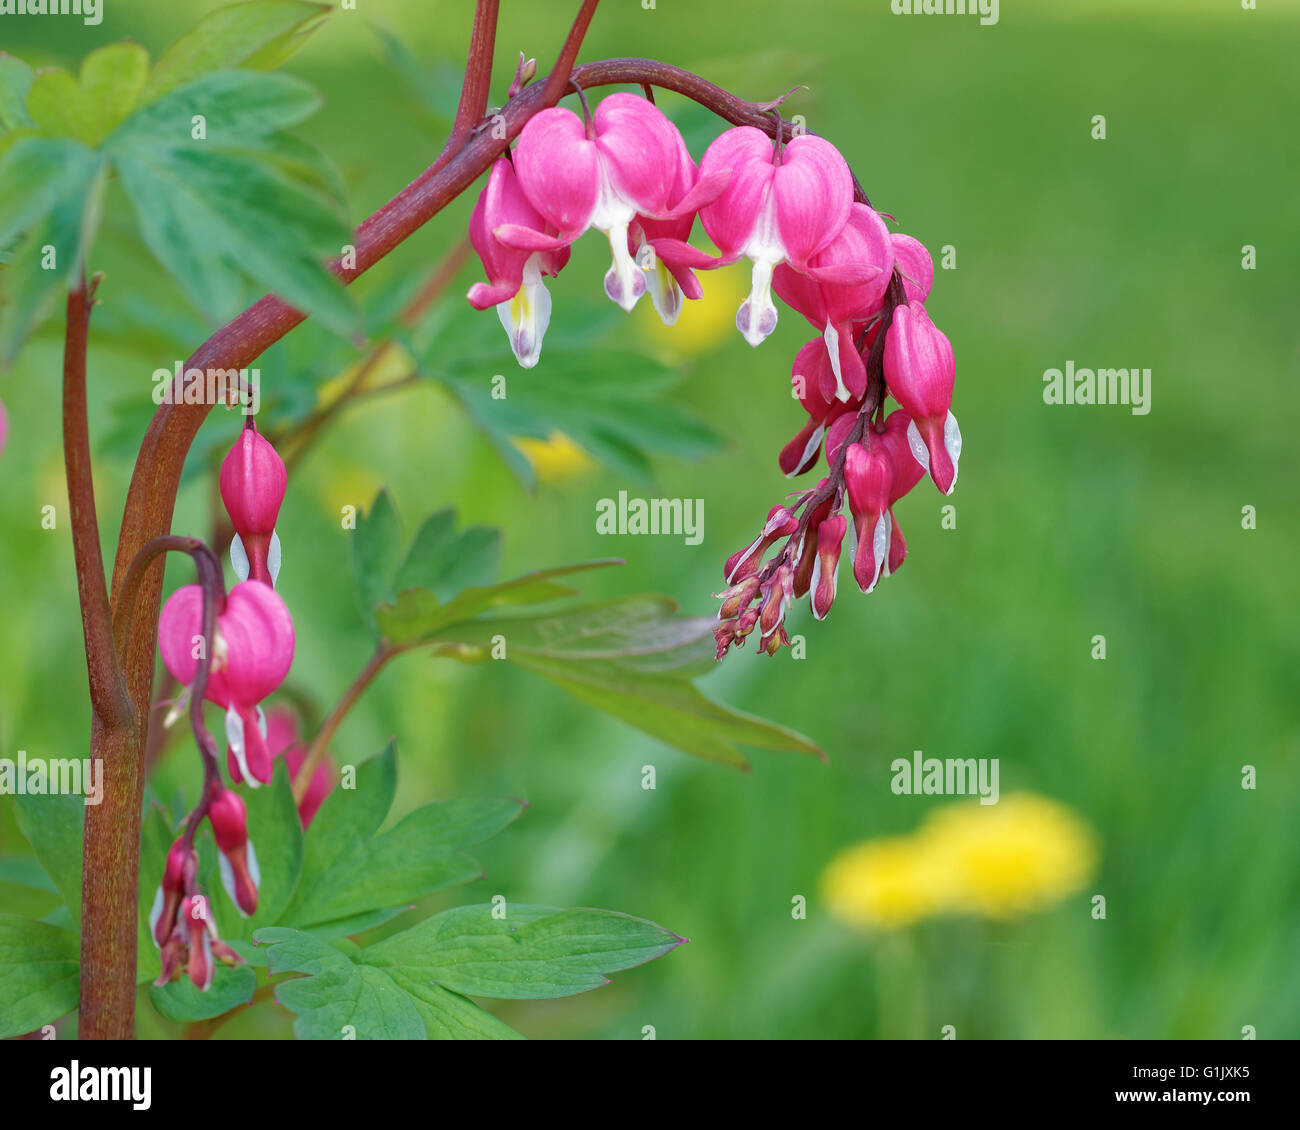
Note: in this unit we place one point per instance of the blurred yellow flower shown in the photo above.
(555, 459)
(704, 323)
(1020, 855)
(884, 883)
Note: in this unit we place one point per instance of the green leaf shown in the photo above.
(349, 871)
(346, 820)
(240, 203)
(181, 1002)
(15, 81)
(35, 174)
(606, 400)
(417, 615)
(236, 106)
(533, 952)
(275, 832)
(52, 254)
(417, 857)
(25, 871)
(444, 561)
(337, 999)
(376, 542)
(53, 824)
(39, 974)
(633, 658)
(91, 107)
(259, 35)
(448, 1015)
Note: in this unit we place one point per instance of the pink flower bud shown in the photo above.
(253, 480)
(240, 873)
(803, 573)
(868, 476)
(920, 370)
(178, 877)
(201, 932)
(746, 562)
(830, 537)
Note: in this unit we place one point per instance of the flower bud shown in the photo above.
(746, 562)
(920, 370)
(253, 479)
(240, 874)
(196, 919)
(830, 536)
(178, 876)
(868, 476)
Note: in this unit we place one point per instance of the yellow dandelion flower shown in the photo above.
(1020, 855)
(884, 884)
(1014, 857)
(555, 459)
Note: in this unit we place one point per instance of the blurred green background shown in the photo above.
(1071, 522)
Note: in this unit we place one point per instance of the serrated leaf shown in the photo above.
(444, 561)
(417, 614)
(236, 107)
(376, 542)
(241, 202)
(258, 35)
(39, 974)
(338, 998)
(181, 1002)
(346, 820)
(534, 952)
(89, 107)
(53, 252)
(236, 216)
(53, 824)
(634, 658)
(15, 81)
(35, 174)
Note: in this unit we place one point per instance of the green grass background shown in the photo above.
(1072, 522)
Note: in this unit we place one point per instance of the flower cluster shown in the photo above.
(790, 209)
(247, 659)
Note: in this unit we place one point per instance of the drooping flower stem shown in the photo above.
(316, 750)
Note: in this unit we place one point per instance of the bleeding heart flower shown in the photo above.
(602, 174)
(662, 249)
(517, 248)
(779, 205)
(920, 370)
(833, 307)
(240, 874)
(178, 876)
(251, 655)
(253, 479)
(868, 475)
